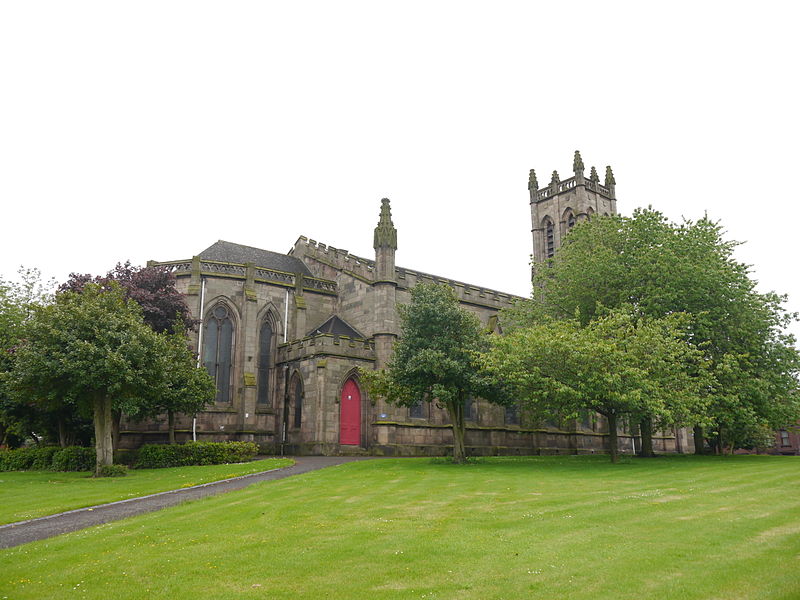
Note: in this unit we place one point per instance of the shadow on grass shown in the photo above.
(596, 462)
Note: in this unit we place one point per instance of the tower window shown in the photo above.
(570, 221)
(549, 240)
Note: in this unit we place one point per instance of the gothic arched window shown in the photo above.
(511, 414)
(218, 350)
(470, 412)
(264, 362)
(549, 239)
(570, 221)
(298, 402)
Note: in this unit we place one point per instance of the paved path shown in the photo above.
(23, 532)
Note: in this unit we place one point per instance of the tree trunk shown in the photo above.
(699, 440)
(171, 426)
(102, 432)
(613, 449)
(646, 428)
(456, 411)
(62, 432)
(116, 417)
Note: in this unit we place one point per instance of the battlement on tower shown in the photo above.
(558, 186)
(557, 207)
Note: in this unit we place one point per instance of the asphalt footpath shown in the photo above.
(32, 530)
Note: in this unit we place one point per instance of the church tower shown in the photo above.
(557, 207)
(385, 286)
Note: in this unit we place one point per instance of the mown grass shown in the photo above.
(30, 494)
(544, 527)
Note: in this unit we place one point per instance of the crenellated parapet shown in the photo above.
(557, 207)
(337, 258)
(566, 185)
(363, 269)
(196, 267)
(465, 292)
(326, 345)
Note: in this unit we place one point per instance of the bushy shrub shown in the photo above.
(153, 456)
(113, 471)
(34, 458)
(74, 458)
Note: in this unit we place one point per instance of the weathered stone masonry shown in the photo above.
(285, 335)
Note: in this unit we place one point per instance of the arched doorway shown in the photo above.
(350, 415)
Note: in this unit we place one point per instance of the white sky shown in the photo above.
(149, 130)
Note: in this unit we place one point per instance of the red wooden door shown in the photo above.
(350, 418)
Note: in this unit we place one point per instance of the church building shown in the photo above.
(284, 336)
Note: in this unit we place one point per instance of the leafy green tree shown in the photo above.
(618, 365)
(185, 389)
(20, 420)
(437, 359)
(660, 268)
(163, 309)
(93, 349)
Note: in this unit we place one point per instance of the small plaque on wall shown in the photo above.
(250, 379)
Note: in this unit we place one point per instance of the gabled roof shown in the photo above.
(337, 327)
(238, 254)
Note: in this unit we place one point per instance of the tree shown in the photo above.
(152, 288)
(93, 349)
(163, 309)
(20, 420)
(660, 268)
(185, 388)
(618, 365)
(436, 359)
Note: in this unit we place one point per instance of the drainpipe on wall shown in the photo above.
(199, 345)
(286, 316)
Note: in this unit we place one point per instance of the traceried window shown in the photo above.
(298, 403)
(512, 414)
(264, 363)
(470, 411)
(417, 411)
(218, 350)
(549, 240)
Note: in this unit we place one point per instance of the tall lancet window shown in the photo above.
(218, 350)
(298, 403)
(549, 239)
(264, 363)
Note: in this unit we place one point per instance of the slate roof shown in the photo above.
(337, 327)
(236, 253)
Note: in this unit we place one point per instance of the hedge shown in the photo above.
(48, 458)
(75, 458)
(154, 456)
(151, 456)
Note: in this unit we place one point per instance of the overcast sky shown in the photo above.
(149, 130)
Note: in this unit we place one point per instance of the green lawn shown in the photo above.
(543, 527)
(31, 494)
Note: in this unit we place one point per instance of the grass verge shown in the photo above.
(31, 494)
(541, 527)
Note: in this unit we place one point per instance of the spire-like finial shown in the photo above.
(593, 176)
(554, 181)
(385, 233)
(533, 185)
(577, 163)
(610, 177)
